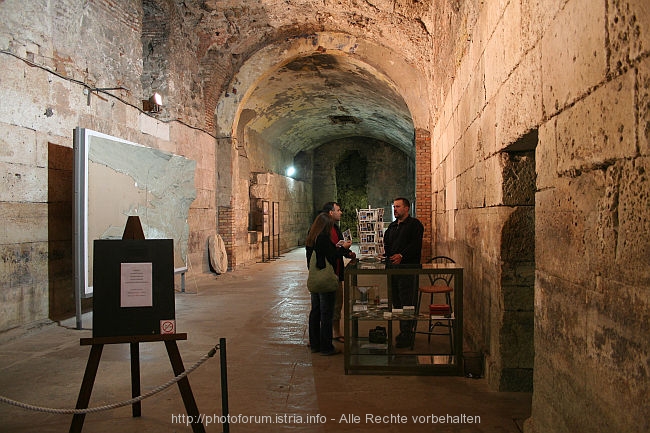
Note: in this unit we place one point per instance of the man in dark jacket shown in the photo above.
(403, 246)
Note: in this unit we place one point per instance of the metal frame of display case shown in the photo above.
(364, 357)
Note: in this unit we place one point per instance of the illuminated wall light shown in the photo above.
(291, 171)
(153, 104)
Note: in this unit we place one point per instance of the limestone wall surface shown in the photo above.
(53, 64)
(386, 178)
(294, 205)
(567, 80)
(561, 82)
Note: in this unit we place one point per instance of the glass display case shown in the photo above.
(372, 323)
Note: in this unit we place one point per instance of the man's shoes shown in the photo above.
(330, 353)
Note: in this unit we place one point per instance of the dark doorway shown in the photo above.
(351, 183)
(518, 265)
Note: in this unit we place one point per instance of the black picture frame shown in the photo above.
(110, 319)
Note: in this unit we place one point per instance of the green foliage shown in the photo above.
(351, 182)
(350, 201)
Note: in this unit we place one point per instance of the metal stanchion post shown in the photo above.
(224, 384)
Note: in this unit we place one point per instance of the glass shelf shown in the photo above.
(371, 307)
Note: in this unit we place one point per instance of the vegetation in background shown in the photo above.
(351, 181)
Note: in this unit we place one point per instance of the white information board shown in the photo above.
(115, 179)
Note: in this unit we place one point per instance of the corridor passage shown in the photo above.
(275, 383)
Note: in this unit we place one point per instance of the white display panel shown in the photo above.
(115, 179)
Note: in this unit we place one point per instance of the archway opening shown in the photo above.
(351, 185)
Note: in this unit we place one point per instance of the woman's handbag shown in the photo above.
(321, 280)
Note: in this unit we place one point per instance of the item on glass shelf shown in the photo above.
(377, 335)
(363, 290)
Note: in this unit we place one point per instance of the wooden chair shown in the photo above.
(440, 284)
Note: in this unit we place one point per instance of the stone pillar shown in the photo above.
(423, 188)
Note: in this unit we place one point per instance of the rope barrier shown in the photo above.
(154, 391)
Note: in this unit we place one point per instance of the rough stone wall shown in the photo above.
(38, 115)
(52, 55)
(577, 72)
(261, 160)
(592, 195)
(59, 232)
(386, 175)
(224, 195)
(516, 342)
(295, 203)
(199, 146)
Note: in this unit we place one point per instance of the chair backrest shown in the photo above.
(441, 279)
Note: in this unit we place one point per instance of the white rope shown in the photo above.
(156, 390)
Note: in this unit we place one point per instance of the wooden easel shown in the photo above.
(133, 230)
(134, 341)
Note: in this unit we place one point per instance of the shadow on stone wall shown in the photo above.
(60, 233)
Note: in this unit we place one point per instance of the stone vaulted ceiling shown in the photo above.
(321, 97)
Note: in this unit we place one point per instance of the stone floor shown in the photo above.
(261, 310)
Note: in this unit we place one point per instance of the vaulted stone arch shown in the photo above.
(407, 80)
(336, 86)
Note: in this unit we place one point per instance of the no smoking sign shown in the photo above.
(167, 326)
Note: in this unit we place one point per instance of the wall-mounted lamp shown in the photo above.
(153, 104)
(291, 171)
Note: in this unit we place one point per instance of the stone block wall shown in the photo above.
(576, 74)
(295, 205)
(46, 80)
(60, 230)
(385, 172)
(200, 147)
(575, 71)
